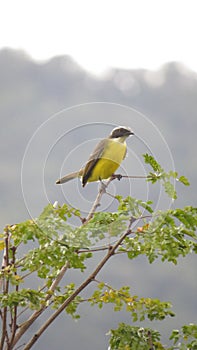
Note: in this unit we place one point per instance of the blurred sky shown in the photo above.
(104, 33)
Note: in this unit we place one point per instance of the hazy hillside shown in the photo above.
(30, 93)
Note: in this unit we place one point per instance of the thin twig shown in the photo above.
(119, 176)
(93, 249)
(150, 341)
(27, 275)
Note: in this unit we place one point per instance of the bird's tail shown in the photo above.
(70, 176)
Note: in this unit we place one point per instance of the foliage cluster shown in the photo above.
(134, 229)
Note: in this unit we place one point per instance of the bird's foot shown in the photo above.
(116, 176)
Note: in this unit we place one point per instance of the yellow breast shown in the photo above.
(110, 160)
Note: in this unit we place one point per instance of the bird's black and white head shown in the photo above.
(121, 132)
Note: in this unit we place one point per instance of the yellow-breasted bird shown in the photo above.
(105, 159)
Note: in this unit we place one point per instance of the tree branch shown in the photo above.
(18, 333)
(102, 190)
(14, 318)
(96, 204)
(23, 327)
(110, 253)
(5, 284)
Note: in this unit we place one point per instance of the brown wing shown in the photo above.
(94, 157)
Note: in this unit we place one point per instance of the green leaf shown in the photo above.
(127, 337)
(152, 162)
(184, 180)
(170, 190)
(168, 235)
(25, 297)
(139, 308)
(186, 338)
(167, 178)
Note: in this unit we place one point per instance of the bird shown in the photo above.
(105, 158)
